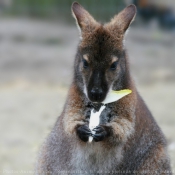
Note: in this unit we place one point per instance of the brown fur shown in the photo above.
(134, 143)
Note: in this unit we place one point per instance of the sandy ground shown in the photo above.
(36, 63)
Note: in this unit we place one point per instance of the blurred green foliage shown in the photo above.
(100, 9)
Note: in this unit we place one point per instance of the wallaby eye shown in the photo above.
(113, 65)
(85, 64)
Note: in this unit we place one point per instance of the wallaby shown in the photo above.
(128, 140)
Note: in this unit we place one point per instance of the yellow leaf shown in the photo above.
(113, 96)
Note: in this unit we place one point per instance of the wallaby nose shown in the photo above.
(96, 94)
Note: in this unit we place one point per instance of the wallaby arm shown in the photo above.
(74, 111)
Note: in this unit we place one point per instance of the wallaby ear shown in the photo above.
(123, 20)
(85, 22)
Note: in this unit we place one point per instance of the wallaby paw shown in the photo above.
(84, 132)
(101, 132)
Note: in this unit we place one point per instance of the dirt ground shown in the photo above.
(36, 65)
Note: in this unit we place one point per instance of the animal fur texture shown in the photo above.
(128, 140)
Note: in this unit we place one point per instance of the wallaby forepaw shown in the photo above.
(84, 132)
(101, 133)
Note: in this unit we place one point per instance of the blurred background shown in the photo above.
(38, 40)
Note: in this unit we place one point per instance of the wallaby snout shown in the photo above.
(96, 94)
(97, 88)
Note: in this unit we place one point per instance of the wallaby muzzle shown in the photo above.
(97, 88)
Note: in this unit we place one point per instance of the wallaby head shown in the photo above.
(100, 63)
